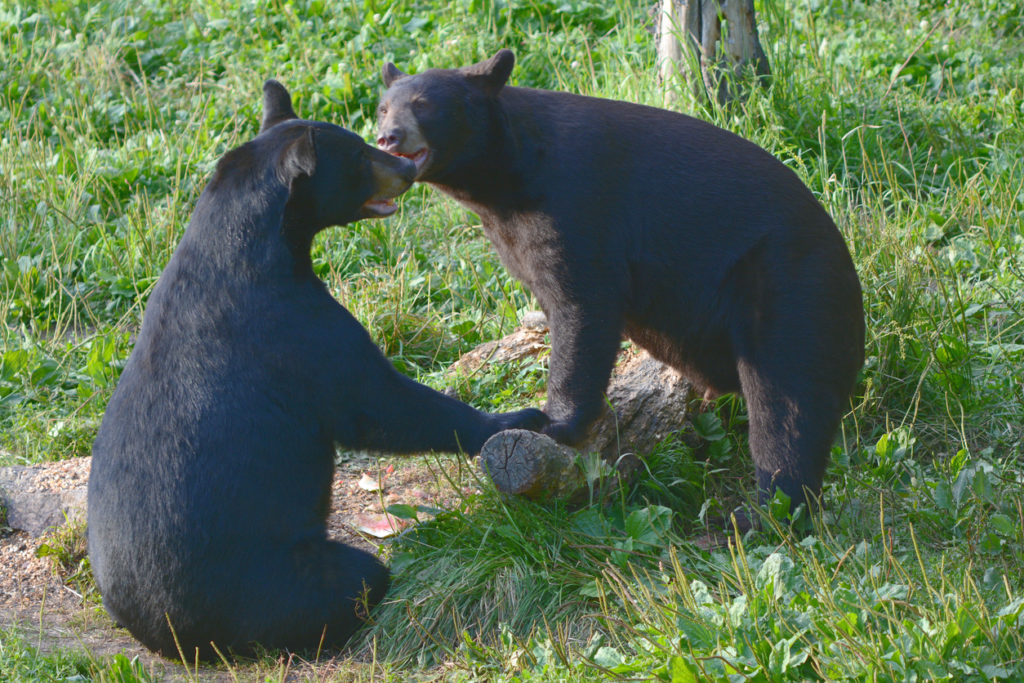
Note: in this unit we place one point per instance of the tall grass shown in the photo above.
(906, 120)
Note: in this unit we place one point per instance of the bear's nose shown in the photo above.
(389, 140)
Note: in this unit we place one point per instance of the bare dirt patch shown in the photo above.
(37, 601)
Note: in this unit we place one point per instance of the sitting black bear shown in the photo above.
(212, 470)
(625, 219)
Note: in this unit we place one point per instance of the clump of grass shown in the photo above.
(826, 607)
(21, 661)
(502, 568)
(68, 549)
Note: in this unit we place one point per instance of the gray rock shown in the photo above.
(37, 498)
(647, 399)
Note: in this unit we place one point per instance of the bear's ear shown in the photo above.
(391, 73)
(277, 105)
(298, 158)
(492, 74)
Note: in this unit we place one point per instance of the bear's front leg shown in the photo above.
(584, 345)
(395, 413)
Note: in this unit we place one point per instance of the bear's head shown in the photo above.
(442, 117)
(333, 177)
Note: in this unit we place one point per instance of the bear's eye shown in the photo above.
(382, 110)
(420, 104)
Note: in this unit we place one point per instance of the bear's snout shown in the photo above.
(390, 140)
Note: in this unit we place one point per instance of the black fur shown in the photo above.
(212, 469)
(626, 219)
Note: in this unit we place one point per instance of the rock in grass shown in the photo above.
(37, 498)
(647, 401)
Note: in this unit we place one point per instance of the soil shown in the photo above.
(46, 609)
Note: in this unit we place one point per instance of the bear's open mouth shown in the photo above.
(381, 206)
(419, 158)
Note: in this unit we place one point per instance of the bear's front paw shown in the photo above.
(568, 432)
(530, 418)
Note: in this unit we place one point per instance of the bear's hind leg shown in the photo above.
(312, 595)
(793, 418)
(323, 593)
(798, 335)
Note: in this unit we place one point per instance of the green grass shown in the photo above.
(20, 660)
(905, 118)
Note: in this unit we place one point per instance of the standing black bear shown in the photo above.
(212, 469)
(620, 218)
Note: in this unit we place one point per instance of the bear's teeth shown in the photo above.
(418, 158)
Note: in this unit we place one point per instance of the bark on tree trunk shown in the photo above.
(711, 64)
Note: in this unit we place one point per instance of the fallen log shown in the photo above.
(647, 400)
(525, 463)
(537, 467)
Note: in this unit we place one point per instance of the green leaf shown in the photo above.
(709, 427)
(402, 511)
(780, 505)
(608, 657)
(589, 522)
(1014, 609)
(775, 573)
(995, 672)
(415, 24)
(1002, 524)
(680, 670)
(46, 373)
(650, 524)
(400, 561)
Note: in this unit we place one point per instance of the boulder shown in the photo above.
(37, 498)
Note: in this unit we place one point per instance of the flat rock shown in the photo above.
(45, 496)
(648, 401)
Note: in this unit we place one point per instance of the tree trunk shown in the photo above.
(702, 25)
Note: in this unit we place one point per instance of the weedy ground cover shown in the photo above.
(906, 119)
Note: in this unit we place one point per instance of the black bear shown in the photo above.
(625, 219)
(212, 468)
